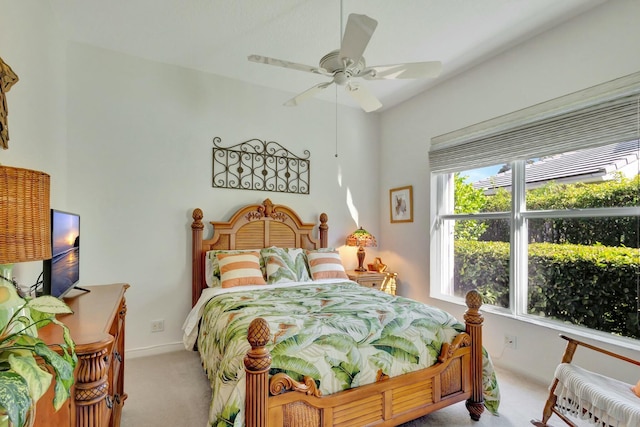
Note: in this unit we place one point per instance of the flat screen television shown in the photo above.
(62, 272)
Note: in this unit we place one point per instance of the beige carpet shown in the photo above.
(172, 390)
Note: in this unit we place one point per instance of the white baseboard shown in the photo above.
(132, 353)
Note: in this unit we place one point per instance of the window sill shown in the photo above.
(560, 327)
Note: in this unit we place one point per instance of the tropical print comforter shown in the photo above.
(339, 333)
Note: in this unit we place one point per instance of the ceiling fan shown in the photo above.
(347, 63)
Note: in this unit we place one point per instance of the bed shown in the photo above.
(325, 352)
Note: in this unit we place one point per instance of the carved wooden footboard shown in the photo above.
(281, 402)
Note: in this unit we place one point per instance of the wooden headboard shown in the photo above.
(252, 227)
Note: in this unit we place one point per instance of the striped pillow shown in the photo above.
(212, 269)
(240, 269)
(326, 265)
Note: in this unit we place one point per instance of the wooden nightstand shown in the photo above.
(385, 282)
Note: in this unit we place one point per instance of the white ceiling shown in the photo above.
(217, 35)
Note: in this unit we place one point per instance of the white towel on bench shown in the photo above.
(594, 397)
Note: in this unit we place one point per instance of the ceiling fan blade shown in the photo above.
(356, 37)
(307, 94)
(412, 70)
(286, 64)
(364, 97)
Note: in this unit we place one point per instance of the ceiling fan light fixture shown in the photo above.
(341, 78)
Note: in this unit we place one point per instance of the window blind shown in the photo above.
(600, 115)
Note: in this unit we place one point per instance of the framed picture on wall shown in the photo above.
(401, 204)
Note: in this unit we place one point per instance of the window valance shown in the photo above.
(599, 115)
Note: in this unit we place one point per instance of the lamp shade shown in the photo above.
(361, 237)
(25, 216)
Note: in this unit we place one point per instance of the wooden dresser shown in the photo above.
(97, 327)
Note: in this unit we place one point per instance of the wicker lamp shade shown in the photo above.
(361, 238)
(25, 232)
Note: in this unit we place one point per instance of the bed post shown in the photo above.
(324, 230)
(196, 256)
(473, 319)
(257, 363)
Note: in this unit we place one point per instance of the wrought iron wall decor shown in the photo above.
(260, 165)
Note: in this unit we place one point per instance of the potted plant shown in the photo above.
(27, 363)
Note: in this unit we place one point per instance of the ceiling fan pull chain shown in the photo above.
(336, 122)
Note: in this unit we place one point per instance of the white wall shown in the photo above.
(139, 154)
(33, 47)
(128, 145)
(590, 49)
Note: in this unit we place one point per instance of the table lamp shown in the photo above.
(25, 233)
(361, 238)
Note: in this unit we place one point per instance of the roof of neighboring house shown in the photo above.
(594, 164)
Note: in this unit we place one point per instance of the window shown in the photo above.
(540, 211)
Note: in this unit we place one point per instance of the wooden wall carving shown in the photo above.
(7, 79)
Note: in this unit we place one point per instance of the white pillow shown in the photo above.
(326, 265)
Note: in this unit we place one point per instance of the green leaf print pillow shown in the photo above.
(285, 265)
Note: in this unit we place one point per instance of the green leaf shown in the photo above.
(63, 370)
(26, 340)
(342, 343)
(41, 319)
(345, 370)
(295, 367)
(382, 360)
(228, 416)
(49, 304)
(14, 397)
(71, 345)
(37, 379)
(292, 344)
(398, 347)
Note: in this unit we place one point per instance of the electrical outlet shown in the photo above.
(510, 341)
(157, 325)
